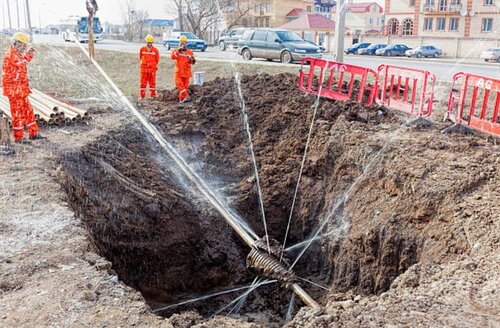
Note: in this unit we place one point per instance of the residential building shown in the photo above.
(363, 18)
(324, 8)
(159, 27)
(443, 18)
(273, 13)
(312, 27)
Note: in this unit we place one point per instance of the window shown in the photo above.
(427, 24)
(256, 9)
(487, 25)
(489, 2)
(374, 8)
(308, 9)
(412, 3)
(268, 22)
(440, 24)
(259, 35)
(454, 24)
(455, 2)
(392, 26)
(268, 7)
(370, 21)
(442, 5)
(429, 3)
(407, 26)
(272, 36)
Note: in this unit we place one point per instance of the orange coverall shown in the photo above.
(16, 87)
(150, 57)
(183, 62)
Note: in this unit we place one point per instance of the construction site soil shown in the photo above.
(410, 211)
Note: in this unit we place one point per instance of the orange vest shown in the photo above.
(182, 62)
(15, 74)
(150, 57)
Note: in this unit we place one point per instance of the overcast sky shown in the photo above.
(51, 11)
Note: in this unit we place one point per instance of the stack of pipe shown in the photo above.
(48, 110)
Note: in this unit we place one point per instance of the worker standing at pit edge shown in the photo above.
(183, 58)
(150, 57)
(16, 87)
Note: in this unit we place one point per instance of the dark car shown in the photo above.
(231, 38)
(355, 47)
(424, 51)
(272, 43)
(371, 49)
(394, 50)
(194, 42)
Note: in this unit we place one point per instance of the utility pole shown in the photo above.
(91, 8)
(8, 14)
(340, 30)
(28, 19)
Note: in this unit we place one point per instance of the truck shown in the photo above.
(79, 26)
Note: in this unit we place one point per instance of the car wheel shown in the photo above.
(247, 55)
(419, 55)
(203, 50)
(388, 53)
(286, 57)
(498, 59)
(435, 55)
(486, 60)
(222, 45)
(269, 59)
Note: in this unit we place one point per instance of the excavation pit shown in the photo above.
(394, 195)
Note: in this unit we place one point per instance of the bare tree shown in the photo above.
(139, 21)
(128, 10)
(198, 16)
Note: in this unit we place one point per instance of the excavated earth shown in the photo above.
(409, 209)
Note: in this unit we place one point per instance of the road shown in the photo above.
(444, 69)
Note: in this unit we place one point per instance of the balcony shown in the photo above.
(441, 10)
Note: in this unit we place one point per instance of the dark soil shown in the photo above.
(167, 242)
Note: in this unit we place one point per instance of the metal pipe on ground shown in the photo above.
(59, 104)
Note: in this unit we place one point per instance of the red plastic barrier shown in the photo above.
(483, 88)
(340, 79)
(406, 89)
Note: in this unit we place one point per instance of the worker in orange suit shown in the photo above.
(183, 58)
(150, 57)
(16, 87)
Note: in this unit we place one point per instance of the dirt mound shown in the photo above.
(394, 196)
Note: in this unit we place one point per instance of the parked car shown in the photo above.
(394, 50)
(231, 38)
(272, 43)
(355, 47)
(492, 54)
(424, 51)
(194, 42)
(370, 50)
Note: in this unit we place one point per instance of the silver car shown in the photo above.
(424, 51)
(281, 44)
(492, 54)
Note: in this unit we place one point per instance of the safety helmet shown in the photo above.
(21, 37)
(183, 39)
(150, 39)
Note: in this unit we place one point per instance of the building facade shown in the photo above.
(324, 8)
(273, 13)
(364, 17)
(443, 18)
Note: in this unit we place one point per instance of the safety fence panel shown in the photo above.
(338, 81)
(476, 101)
(406, 89)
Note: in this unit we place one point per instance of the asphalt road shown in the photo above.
(443, 68)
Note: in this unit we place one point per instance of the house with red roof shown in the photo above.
(312, 27)
(364, 17)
